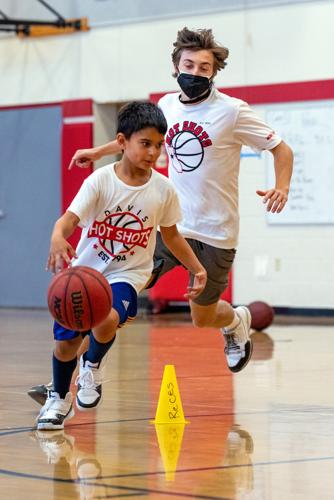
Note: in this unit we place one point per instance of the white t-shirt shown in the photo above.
(203, 143)
(120, 222)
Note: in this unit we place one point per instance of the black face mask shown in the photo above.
(193, 85)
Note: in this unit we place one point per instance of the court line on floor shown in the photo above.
(138, 490)
(178, 471)
(133, 379)
(142, 491)
(223, 467)
(16, 430)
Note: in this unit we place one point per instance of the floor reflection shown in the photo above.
(72, 463)
(263, 346)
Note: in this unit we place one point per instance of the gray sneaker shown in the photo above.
(238, 345)
(39, 393)
(55, 411)
(89, 382)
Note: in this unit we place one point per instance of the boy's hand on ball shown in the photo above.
(274, 198)
(60, 251)
(198, 286)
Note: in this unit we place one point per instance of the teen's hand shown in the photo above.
(198, 286)
(274, 198)
(60, 252)
(84, 157)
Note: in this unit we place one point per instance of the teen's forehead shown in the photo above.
(197, 56)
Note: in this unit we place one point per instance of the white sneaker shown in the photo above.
(238, 345)
(55, 411)
(89, 382)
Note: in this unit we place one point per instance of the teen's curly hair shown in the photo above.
(201, 39)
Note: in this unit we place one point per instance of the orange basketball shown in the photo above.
(262, 315)
(79, 298)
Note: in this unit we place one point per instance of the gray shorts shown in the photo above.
(216, 261)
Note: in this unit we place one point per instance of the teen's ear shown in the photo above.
(176, 71)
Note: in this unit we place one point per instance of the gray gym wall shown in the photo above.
(30, 145)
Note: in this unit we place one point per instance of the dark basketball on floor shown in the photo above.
(79, 298)
(262, 315)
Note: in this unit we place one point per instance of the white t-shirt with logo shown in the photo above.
(120, 222)
(203, 143)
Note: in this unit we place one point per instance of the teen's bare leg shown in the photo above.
(217, 315)
(234, 325)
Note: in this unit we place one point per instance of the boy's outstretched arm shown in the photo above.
(60, 250)
(84, 157)
(183, 252)
(276, 197)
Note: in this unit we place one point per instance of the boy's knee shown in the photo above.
(106, 336)
(200, 321)
(65, 350)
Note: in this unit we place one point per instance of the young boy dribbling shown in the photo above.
(119, 208)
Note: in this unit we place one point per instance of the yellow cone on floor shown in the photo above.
(169, 410)
(170, 442)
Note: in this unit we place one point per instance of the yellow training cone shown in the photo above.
(169, 410)
(170, 442)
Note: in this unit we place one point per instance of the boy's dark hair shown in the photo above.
(199, 40)
(138, 115)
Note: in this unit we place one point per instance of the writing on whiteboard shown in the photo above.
(309, 130)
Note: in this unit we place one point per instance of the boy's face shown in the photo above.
(198, 63)
(143, 148)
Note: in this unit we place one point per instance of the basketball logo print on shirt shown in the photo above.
(186, 145)
(120, 232)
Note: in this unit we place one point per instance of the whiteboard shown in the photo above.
(308, 128)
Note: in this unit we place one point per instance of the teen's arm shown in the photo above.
(183, 252)
(60, 249)
(84, 157)
(277, 197)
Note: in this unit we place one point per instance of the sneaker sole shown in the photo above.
(87, 408)
(48, 426)
(244, 361)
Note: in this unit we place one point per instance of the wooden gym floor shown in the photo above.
(266, 433)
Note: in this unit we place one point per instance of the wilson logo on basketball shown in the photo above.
(77, 308)
(186, 144)
(115, 234)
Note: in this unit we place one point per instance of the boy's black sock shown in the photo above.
(97, 350)
(62, 375)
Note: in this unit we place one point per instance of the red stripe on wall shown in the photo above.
(277, 92)
(74, 136)
(283, 92)
(83, 107)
